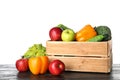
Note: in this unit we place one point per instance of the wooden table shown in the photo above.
(9, 72)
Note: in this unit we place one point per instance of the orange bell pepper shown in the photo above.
(38, 65)
(85, 33)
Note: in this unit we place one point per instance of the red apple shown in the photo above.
(56, 67)
(22, 65)
(55, 34)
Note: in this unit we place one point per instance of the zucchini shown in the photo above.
(97, 38)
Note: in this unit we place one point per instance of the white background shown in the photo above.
(26, 22)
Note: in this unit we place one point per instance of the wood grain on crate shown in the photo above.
(82, 56)
(86, 64)
(100, 49)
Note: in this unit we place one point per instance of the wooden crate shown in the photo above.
(82, 56)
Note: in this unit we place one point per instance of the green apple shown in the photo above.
(68, 35)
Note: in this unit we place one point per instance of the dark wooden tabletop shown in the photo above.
(9, 72)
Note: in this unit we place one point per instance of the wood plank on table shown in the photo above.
(9, 72)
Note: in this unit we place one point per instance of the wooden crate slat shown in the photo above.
(85, 64)
(79, 48)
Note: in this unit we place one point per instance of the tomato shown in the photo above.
(38, 65)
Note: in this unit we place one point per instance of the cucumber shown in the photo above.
(63, 27)
(97, 38)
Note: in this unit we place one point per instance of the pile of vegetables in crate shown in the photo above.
(96, 34)
(87, 33)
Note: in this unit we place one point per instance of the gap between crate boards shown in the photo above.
(70, 56)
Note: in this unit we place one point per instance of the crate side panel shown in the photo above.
(77, 48)
(109, 47)
(85, 64)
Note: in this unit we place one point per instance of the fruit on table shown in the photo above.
(56, 67)
(55, 34)
(38, 65)
(22, 65)
(68, 35)
(35, 50)
(85, 33)
(104, 30)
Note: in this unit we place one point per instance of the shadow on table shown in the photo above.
(65, 76)
(29, 76)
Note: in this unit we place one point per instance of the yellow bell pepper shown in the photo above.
(85, 33)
